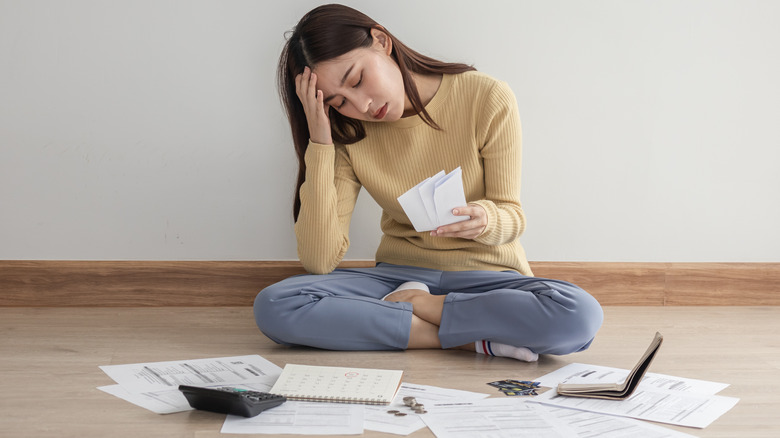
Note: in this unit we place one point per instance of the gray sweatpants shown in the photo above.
(343, 310)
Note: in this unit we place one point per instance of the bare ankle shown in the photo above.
(467, 347)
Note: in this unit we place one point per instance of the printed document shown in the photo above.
(665, 399)
(297, 417)
(581, 373)
(510, 417)
(589, 424)
(155, 385)
(493, 417)
(378, 419)
(169, 401)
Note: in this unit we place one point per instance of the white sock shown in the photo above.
(408, 285)
(502, 350)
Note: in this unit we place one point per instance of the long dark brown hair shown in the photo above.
(330, 31)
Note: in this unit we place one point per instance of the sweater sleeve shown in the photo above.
(501, 153)
(328, 195)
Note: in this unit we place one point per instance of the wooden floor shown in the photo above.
(49, 360)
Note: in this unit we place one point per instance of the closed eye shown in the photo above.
(344, 99)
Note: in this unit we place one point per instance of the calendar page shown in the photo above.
(337, 384)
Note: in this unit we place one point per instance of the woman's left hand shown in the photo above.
(468, 229)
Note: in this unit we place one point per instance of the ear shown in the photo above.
(382, 41)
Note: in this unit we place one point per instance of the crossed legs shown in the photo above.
(426, 317)
(344, 310)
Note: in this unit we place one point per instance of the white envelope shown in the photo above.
(448, 195)
(427, 189)
(413, 205)
(429, 204)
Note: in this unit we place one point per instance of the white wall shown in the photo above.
(152, 129)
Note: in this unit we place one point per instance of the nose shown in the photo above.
(363, 103)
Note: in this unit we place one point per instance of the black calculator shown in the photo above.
(226, 400)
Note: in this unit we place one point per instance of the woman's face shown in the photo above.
(364, 84)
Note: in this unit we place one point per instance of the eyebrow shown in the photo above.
(343, 79)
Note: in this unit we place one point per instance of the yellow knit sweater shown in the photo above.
(480, 133)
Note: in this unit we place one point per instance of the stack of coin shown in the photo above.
(418, 408)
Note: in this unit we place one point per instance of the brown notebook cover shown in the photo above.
(615, 391)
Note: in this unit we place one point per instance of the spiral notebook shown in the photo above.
(337, 384)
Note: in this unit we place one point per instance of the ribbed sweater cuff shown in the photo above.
(488, 234)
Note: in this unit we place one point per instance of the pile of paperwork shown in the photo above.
(450, 413)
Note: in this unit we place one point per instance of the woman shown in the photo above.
(367, 111)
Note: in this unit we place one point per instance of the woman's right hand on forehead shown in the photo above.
(314, 107)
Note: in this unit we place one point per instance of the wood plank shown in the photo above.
(723, 284)
(613, 284)
(139, 283)
(44, 283)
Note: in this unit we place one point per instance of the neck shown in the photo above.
(427, 86)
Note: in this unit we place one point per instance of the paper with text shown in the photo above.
(170, 401)
(493, 417)
(152, 376)
(305, 418)
(583, 373)
(589, 424)
(378, 419)
(155, 385)
(684, 403)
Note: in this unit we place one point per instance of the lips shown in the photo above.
(381, 112)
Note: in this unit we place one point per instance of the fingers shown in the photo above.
(312, 90)
(468, 229)
(314, 106)
(306, 89)
(306, 86)
(321, 100)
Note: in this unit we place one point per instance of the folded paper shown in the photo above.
(429, 204)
